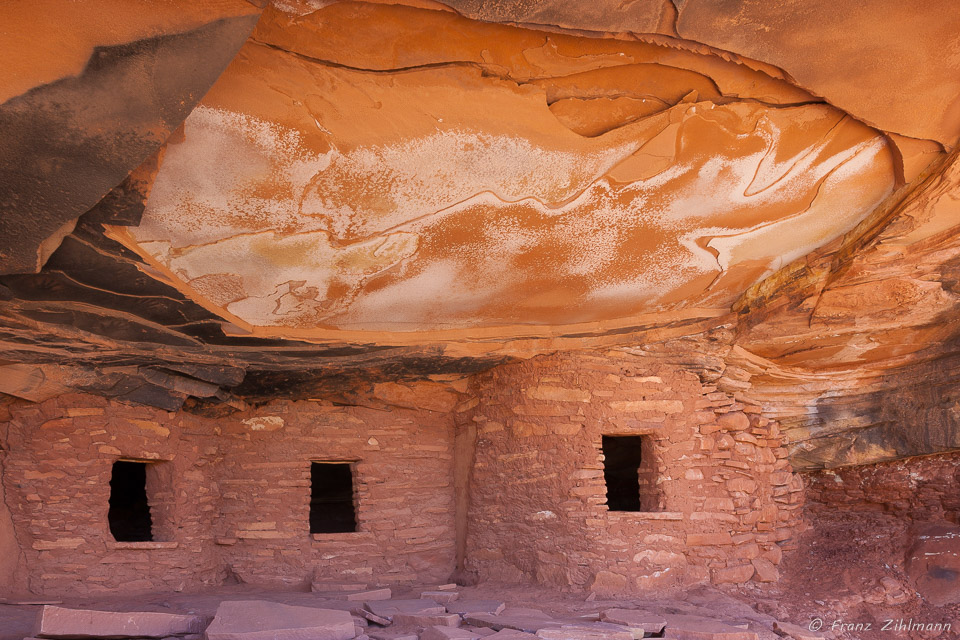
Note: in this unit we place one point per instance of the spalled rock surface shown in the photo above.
(61, 622)
(262, 620)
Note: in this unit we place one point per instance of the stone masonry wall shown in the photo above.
(921, 488)
(730, 502)
(238, 502)
(403, 484)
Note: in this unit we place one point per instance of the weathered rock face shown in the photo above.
(363, 194)
(881, 545)
(84, 100)
(551, 180)
(854, 349)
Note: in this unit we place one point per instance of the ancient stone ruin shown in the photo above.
(446, 319)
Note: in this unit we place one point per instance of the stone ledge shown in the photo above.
(646, 515)
(118, 546)
(351, 536)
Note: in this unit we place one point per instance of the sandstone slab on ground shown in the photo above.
(61, 622)
(796, 631)
(391, 634)
(317, 585)
(528, 620)
(681, 627)
(372, 617)
(376, 594)
(586, 631)
(441, 596)
(438, 632)
(389, 608)
(262, 620)
(512, 634)
(426, 619)
(636, 620)
(463, 607)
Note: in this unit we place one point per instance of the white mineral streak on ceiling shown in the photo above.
(463, 228)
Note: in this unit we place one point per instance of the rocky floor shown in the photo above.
(854, 602)
(450, 612)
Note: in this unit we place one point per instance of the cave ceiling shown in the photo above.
(207, 204)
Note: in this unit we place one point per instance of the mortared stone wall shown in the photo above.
(729, 503)
(229, 497)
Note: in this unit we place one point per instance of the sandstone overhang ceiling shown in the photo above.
(436, 173)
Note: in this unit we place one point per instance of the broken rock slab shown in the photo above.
(438, 632)
(796, 631)
(426, 620)
(586, 631)
(363, 596)
(464, 607)
(389, 608)
(372, 617)
(262, 620)
(440, 596)
(61, 622)
(527, 620)
(637, 621)
(682, 627)
(391, 634)
(319, 586)
(511, 634)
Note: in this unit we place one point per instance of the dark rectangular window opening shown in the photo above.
(630, 474)
(331, 498)
(129, 513)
